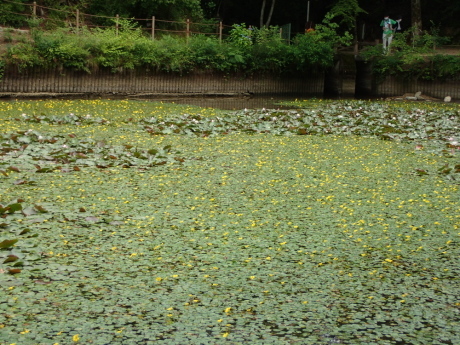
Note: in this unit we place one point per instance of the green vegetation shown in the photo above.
(414, 57)
(245, 51)
(140, 222)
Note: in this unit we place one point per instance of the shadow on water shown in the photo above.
(217, 102)
(231, 103)
(234, 103)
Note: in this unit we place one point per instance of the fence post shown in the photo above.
(153, 27)
(220, 32)
(34, 10)
(188, 29)
(78, 21)
(116, 24)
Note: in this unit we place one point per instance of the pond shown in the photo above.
(231, 103)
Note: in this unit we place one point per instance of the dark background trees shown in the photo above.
(440, 14)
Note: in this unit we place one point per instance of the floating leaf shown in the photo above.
(24, 231)
(14, 207)
(13, 270)
(11, 258)
(40, 209)
(421, 172)
(7, 243)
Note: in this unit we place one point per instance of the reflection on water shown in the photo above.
(230, 103)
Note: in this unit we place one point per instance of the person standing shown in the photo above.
(388, 30)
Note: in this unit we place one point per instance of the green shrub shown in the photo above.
(210, 54)
(269, 52)
(246, 51)
(413, 56)
(311, 51)
(23, 55)
(172, 54)
(444, 66)
(10, 13)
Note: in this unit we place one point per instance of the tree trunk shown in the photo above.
(416, 16)
(267, 23)
(262, 11)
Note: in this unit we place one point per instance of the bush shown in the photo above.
(210, 54)
(310, 51)
(246, 50)
(413, 56)
(23, 55)
(63, 48)
(172, 55)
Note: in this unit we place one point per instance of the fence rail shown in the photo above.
(153, 26)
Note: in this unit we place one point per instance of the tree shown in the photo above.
(416, 16)
(163, 9)
(347, 11)
(262, 14)
(9, 13)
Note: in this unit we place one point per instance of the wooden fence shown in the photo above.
(52, 17)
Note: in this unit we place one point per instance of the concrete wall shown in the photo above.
(393, 86)
(319, 84)
(144, 82)
(368, 85)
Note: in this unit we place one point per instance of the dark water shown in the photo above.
(232, 103)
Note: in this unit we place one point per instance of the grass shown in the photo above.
(149, 223)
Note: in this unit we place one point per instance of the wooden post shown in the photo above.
(116, 24)
(188, 29)
(153, 27)
(34, 10)
(78, 20)
(220, 32)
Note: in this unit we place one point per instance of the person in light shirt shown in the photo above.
(387, 25)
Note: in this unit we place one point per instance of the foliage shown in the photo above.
(246, 51)
(114, 47)
(328, 32)
(23, 55)
(332, 237)
(173, 10)
(317, 48)
(413, 56)
(347, 11)
(268, 52)
(240, 35)
(209, 54)
(9, 13)
(2, 69)
(62, 47)
(312, 50)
